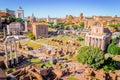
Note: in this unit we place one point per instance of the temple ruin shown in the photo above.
(11, 51)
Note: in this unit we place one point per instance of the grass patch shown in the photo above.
(13, 69)
(35, 60)
(64, 38)
(38, 63)
(72, 78)
(31, 44)
(47, 64)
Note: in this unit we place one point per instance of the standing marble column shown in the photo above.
(93, 41)
(11, 53)
(15, 49)
(99, 43)
(88, 41)
(6, 54)
(103, 45)
(4, 32)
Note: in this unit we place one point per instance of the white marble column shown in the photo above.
(4, 32)
(6, 54)
(93, 41)
(103, 45)
(26, 26)
(15, 49)
(88, 41)
(11, 50)
(11, 53)
(99, 43)
(8, 31)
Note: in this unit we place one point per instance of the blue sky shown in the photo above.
(59, 8)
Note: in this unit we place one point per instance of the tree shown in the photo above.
(60, 25)
(68, 23)
(113, 48)
(80, 26)
(51, 24)
(20, 20)
(115, 26)
(12, 19)
(91, 56)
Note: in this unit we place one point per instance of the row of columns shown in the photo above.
(12, 62)
(96, 42)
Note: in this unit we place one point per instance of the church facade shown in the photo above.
(99, 36)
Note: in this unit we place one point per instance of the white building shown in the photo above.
(19, 13)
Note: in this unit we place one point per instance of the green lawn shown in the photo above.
(64, 38)
(31, 44)
(35, 60)
(72, 78)
(38, 63)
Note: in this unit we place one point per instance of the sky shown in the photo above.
(60, 8)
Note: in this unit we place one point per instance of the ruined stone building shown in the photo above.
(14, 28)
(40, 30)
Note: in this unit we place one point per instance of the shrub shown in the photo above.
(31, 36)
(68, 23)
(109, 65)
(80, 26)
(80, 39)
(94, 57)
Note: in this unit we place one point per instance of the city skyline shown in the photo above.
(54, 8)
